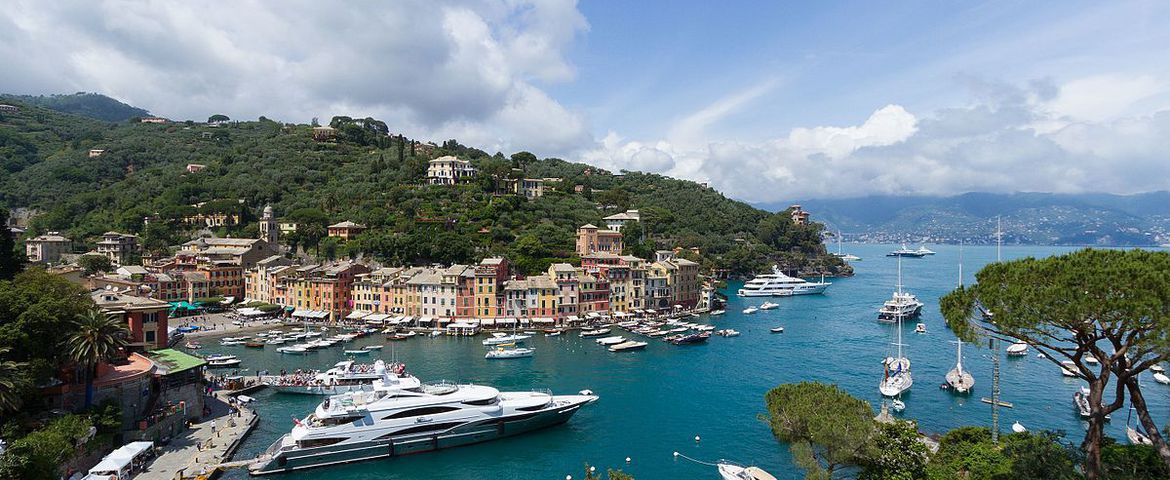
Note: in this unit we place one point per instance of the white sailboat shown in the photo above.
(848, 257)
(960, 380)
(897, 377)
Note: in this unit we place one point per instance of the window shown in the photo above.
(319, 442)
(435, 427)
(415, 412)
(150, 336)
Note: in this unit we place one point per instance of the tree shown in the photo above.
(1113, 305)
(95, 263)
(826, 428)
(895, 453)
(98, 338)
(12, 379)
(11, 261)
(218, 118)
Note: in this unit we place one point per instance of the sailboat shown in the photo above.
(848, 257)
(1135, 435)
(960, 381)
(897, 378)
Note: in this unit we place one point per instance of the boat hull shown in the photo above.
(320, 389)
(475, 432)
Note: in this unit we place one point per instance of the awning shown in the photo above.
(228, 300)
(525, 321)
(543, 320)
(250, 312)
(573, 318)
(652, 312)
(462, 325)
(425, 320)
(406, 320)
(356, 315)
(507, 321)
(487, 321)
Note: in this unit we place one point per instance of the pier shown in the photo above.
(203, 452)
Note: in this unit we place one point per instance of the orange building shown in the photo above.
(590, 239)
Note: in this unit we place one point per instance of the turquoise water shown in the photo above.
(655, 401)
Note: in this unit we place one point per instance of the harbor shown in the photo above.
(700, 400)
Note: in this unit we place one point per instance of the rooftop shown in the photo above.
(172, 361)
(347, 224)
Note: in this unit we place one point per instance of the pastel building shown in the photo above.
(145, 317)
(448, 170)
(118, 247)
(47, 248)
(591, 239)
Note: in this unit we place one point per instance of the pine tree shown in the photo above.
(10, 261)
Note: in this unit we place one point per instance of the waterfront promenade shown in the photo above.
(202, 448)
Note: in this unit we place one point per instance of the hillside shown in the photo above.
(1032, 218)
(92, 105)
(367, 177)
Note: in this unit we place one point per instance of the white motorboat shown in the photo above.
(630, 345)
(920, 328)
(1161, 378)
(435, 333)
(501, 339)
(898, 405)
(224, 363)
(275, 340)
(769, 306)
(727, 333)
(594, 333)
(1091, 360)
(509, 351)
(924, 251)
(1018, 428)
(358, 352)
(227, 343)
(750, 310)
(614, 340)
(293, 350)
(906, 252)
(218, 356)
(902, 306)
(776, 329)
(1157, 368)
(718, 312)
(372, 347)
(731, 471)
(777, 284)
(959, 380)
(393, 421)
(345, 376)
(553, 334)
(1068, 368)
(1017, 349)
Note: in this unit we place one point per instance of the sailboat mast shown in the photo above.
(960, 264)
(994, 349)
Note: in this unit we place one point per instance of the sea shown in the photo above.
(705, 402)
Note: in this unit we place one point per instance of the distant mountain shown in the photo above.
(1033, 218)
(92, 105)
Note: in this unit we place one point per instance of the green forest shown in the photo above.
(369, 175)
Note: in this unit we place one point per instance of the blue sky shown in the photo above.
(766, 101)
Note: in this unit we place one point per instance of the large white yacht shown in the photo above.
(777, 284)
(903, 305)
(392, 421)
(345, 376)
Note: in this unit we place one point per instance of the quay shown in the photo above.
(203, 453)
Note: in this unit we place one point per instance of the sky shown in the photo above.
(765, 101)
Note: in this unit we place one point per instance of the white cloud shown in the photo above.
(995, 144)
(443, 69)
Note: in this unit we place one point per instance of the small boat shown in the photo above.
(1137, 438)
(727, 333)
(691, 339)
(718, 312)
(924, 251)
(275, 341)
(594, 333)
(293, 350)
(1069, 369)
(553, 334)
(1081, 402)
(435, 333)
(1091, 360)
(254, 344)
(898, 405)
(731, 471)
(358, 352)
(920, 328)
(1017, 349)
(193, 345)
(552, 330)
(501, 352)
(224, 362)
(530, 332)
(372, 347)
(768, 306)
(750, 310)
(630, 345)
(396, 337)
(1018, 428)
(776, 329)
(1161, 378)
(1157, 368)
(957, 379)
(500, 339)
(614, 340)
(218, 356)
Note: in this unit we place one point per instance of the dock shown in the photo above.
(202, 454)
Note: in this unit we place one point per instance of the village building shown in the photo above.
(346, 230)
(118, 247)
(96, 152)
(144, 317)
(5, 108)
(590, 239)
(616, 221)
(324, 134)
(244, 252)
(47, 248)
(448, 170)
(799, 216)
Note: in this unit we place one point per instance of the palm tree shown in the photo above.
(10, 383)
(98, 338)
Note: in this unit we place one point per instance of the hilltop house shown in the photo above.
(448, 170)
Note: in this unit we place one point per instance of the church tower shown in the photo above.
(268, 228)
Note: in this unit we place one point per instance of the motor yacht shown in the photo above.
(345, 376)
(750, 310)
(731, 471)
(224, 362)
(509, 350)
(594, 333)
(924, 251)
(613, 340)
(906, 252)
(394, 421)
(500, 339)
(769, 306)
(777, 284)
(1017, 349)
(630, 345)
